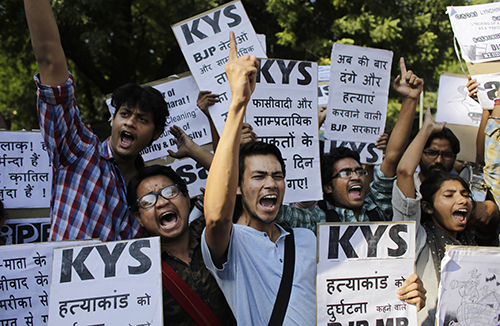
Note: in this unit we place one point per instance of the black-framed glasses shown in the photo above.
(149, 200)
(347, 173)
(433, 154)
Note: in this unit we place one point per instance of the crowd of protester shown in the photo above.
(234, 257)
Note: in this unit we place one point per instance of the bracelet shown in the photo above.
(496, 118)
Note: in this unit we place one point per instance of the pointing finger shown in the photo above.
(233, 52)
(403, 69)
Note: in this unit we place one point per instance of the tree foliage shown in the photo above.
(109, 43)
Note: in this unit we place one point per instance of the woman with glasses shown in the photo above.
(441, 210)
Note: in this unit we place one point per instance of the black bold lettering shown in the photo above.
(26, 233)
(401, 321)
(202, 173)
(390, 322)
(264, 68)
(213, 22)
(285, 71)
(135, 251)
(394, 235)
(492, 88)
(307, 77)
(236, 18)
(355, 148)
(194, 30)
(77, 264)
(110, 259)
(374, 154)
(334, 241)
(182, 172)
(372, 239)
(362, 323)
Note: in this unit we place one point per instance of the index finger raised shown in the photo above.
(402, 66)
(233, 51)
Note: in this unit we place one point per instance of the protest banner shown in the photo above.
(359, 86)
(181, 96)
(193, 174)
(477, 29)
(204, 41)
(468, 290)
(360, 267)
(26, 177)
(113, 283)
(25, 230)
(454, 104)
(24, 281)
(487, 91)
(283, 111)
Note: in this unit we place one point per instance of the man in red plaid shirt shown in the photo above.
(90, 177)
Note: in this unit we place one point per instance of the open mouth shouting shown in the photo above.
(356, 191)
(168, 220)
(126, 139)
(460, 215)
(268, 202)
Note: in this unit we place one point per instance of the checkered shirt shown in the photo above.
(492, 158)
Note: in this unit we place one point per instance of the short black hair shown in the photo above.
(448, 135)
(329, 160)
(258, 148)
(147, 98)
(147, 172)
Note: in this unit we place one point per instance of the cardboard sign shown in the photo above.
(25, 230)
(283, 112)
(360, 268)
(204, 41)
(113, 283)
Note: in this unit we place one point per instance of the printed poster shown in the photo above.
(25, 230)
(359, 87)
(477, 29)
(469, 292)
(283, 112)
(204, 41)
(360, 268)
(487, 91)
(25, 281)
(113, 283)
(25, 170)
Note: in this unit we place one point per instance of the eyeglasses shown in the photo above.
(347, 173)
(433, 154)
(149, 200)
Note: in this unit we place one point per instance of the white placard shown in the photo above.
(477, 29)
(360, 268)
(181, 96)
(488, 89)
(204, 41)
(454, 104)
(323, 73)
(323, 92)
(468, 290)
(113, 283)
(359, 86)
(26, 173)
(25, 230)
(368, 152)
(193, 173)
(283, 111)
(24, 281)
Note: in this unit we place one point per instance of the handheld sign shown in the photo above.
(487, 91)
(357, 104)
(113, 283)
(204, 41)
(360, 267)
(283, 111)
(477, 29)
(24, 281)
(26, 177)
(25, 230)
(468, 290)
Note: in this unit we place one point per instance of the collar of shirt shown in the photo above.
(347, 215)
(108, 155)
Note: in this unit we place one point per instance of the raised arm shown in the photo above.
(206, 99)
(222, 182)
(46, 42)
(186, 147)
(411, 158)
(409, 86)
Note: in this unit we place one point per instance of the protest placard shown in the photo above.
(454, 104)
(26, 177)
(283, 111)
(359, 86)
(487, 91)
(204, 41)
(360, 268)
(113, 283)
(468, 290)
(193, 173)
(477, 29)
(24, 281)
(25, 230)
(181, 96)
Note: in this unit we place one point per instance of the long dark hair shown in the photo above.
(433, 183)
